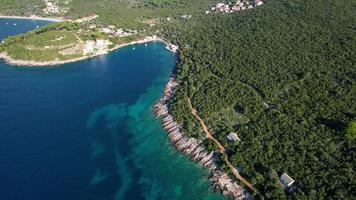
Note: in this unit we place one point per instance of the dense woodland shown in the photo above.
(21, 7)
(282, 76)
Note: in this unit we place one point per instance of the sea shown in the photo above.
(87, 131)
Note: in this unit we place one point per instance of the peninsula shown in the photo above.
(69, 41)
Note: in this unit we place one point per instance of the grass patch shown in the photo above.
(47, 46)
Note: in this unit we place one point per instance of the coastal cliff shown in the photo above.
(193, 147)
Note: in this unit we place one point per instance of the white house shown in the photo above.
(106, 30)
(233, 137)
(286, 180)
(96, 47)
(259, 2)
(89, 47)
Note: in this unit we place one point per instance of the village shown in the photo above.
(230, 7)
(53, 7)
(100, 46)
(88, 39)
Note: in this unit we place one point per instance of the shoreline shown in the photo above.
(30, 63)
(194, 149)
(52, 19)
(191, 147)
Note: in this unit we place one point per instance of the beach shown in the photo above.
(32, 18)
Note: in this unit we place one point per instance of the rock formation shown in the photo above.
(194, 148)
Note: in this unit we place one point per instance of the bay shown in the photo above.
(86, 130)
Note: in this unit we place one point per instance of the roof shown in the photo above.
(233, 136)
(286, 180)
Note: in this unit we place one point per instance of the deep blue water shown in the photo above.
(86, 130)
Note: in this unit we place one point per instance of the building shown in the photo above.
(286, 180)
(186, 16)
(106, 30)
(258, 2)
(92, 26)
(236, 7)
(89, 47)
(233, 137)
(52, 8)
(96, 47)
(172, 48)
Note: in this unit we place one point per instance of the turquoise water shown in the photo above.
(86, 130)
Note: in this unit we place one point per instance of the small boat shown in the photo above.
(15, 24)
(133, 48)
(145, 45)
(7, 23)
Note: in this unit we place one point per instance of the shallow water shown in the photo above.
(86, 130)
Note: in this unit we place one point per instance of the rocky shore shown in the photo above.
(194, 148)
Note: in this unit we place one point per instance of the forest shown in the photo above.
(282, 76)
(21, 7)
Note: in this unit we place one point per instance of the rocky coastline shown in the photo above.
(193, 148)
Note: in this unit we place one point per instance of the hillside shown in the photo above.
(283, 77)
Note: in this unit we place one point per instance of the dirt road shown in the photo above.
(209, 135)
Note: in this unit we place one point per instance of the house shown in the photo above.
(96, 47)
(51, 8)
(235, 8)
(92, 26)
(106, 30)
(233, 137)
(112, 27)
(172, 48)
(89, 47)
(258, 2)
(286, 180)
(219, 6)
(186, 16)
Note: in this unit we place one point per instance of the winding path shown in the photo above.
(221, 148)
